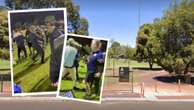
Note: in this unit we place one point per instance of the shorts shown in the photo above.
(90, 77)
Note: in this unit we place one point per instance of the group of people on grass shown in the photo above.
(36, 38)
(94, 61)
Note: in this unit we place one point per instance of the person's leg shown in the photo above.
(42, 56)
(72, 71)
(88, 81)
(77, 74)
(52, 78)
(36, 48)
(19, 51)
(65, 73)
(29, 47)
(24, 49)
(41, 53)
(97, 85)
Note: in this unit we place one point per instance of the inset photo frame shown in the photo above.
(83, 68)
(36, 44)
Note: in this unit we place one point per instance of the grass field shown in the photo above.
(4, 64)
(126, 63)
(130, 63)
(33, 76)
(67, 85)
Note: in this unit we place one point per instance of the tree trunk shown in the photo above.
(187, 68)
(151, 65)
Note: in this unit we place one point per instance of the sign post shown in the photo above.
(123, 74)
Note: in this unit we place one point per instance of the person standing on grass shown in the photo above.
(20, 42)
(34, 40)
(56, 43)
(71, 51)
(95, 65)
(27, 40)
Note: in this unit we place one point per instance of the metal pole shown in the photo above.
(132, 81)
(179, 86)
(1, 83)
(113, 67)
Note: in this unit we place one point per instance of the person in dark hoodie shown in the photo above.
(56, 44)
(19, 39)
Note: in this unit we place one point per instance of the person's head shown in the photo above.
(95, 45)
(32, 29)
(50, 27)
(73, 43)
(60, 24)
(17, 27)
(50, 23)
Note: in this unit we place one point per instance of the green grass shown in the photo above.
(33, 76)
(130, 63)
(4, 64)
(67, 85)
(125, 63)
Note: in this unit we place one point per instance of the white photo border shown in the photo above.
(10, 45)
(103, 75)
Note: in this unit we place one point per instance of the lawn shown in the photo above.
(33, 76)
(4, 64)
(125, 63)
(130, 63)
(67, 85)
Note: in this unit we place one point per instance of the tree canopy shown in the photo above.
(171, 38)
(144, 47)
(76, 24)
(4, 39)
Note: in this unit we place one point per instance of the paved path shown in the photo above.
(108, 105)
(153, 88)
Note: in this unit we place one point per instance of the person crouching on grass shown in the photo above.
(95, 65)
(71, 51)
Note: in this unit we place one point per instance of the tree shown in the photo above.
(113, 53)
(114, 49)
(76, 24)
(4, 39)
(173, 38)
(144, 47)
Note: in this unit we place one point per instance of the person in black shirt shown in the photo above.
(18, 38)
(34, 40)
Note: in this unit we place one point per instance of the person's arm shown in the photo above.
(14, 38)
(100, 58)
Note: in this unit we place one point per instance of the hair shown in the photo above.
(96, 43)
(59, 23)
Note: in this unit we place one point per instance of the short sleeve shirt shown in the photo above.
(69, 57)
(93, 59)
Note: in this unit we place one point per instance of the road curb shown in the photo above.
(146, 99)
(31, 98)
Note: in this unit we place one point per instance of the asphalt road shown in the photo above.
(107, 105)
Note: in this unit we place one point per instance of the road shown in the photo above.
(107, 105)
